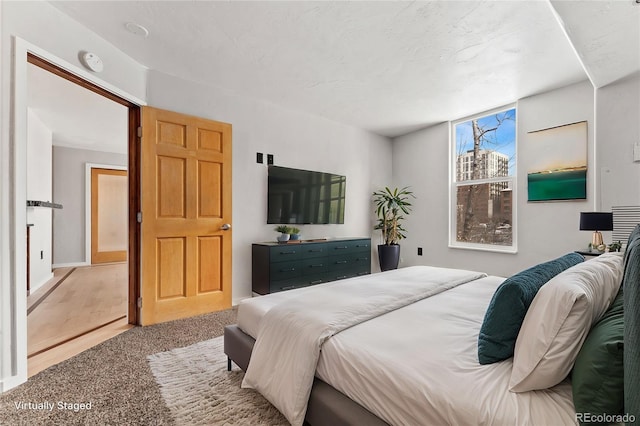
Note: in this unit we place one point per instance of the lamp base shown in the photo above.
(596, 239)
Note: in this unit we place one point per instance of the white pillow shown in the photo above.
(559, 319)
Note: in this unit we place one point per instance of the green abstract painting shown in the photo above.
(558, 167)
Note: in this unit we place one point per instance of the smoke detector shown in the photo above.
(91, 61)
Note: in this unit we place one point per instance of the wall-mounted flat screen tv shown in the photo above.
(303, 196)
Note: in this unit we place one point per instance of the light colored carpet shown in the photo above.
(198, 389)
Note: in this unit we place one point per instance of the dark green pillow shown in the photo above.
(631, 286)
(598, 374)
(505, 314)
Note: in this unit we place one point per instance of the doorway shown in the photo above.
(108, 204)
(115, 246)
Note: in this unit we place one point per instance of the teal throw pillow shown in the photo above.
(598, 374)
(504, 316)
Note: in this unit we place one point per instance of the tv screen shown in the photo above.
(302, 196)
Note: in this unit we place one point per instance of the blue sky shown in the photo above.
(502, 140)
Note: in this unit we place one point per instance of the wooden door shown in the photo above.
(109, 215)
(186, 206)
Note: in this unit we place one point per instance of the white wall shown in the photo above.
(69, 224)
(296, 140)
(39, 188)
(618, 115)
(545, 230)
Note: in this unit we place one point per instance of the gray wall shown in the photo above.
(618, 115)
(69, 190)
(545, 230)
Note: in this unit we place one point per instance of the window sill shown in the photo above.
(484, 247)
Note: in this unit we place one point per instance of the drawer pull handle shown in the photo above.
(288, 288)
(363, 245)
(316, 266)
(341, 262)
(341, 277)
(315, 251)
(288, 252)
(288, 270)
(341, 247)
(316, 282)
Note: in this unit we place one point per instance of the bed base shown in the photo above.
(327, 406)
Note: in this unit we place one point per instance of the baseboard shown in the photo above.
(70, 265)
(34, 287)
(12, 381)
(236, 301)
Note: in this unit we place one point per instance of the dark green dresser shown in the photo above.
(278, 267)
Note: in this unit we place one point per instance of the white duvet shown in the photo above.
(419, 366)
(290, 335)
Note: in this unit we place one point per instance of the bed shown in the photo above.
(414, 361)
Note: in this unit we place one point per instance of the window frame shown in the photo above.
(454, 184)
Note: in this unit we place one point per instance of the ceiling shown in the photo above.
(390, 67)
(77, 117)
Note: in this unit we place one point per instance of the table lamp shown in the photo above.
(596, 222)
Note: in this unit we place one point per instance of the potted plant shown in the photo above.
(615, 246)
(295, 233)
(390, 207)
(285, 233)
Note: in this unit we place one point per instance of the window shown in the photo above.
(483, 182)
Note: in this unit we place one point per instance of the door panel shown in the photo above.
(186, 198)
(109, 215)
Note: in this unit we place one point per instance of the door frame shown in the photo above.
(134, 173)
(13, 300)
(87, 204)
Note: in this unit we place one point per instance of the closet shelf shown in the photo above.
(33, 203)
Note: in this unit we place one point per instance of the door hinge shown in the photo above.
(139, 302)
(139, 131)
(139, 217)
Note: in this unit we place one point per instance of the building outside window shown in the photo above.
(483, 182)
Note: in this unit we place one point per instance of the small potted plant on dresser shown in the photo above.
(295, 233)
(285, 233)
(390, 207)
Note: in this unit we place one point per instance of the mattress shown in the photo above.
(251, 311)
(418, 364)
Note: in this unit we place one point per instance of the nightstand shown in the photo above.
(589, 253)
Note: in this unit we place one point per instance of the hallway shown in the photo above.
(79, 308)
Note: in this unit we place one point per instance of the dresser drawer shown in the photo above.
(362, 245)
(285, 253)
(314, 250)
(314, 265)
(314, 279)
(285, 270)
(347, 261)
(284, 285)
(347, 247)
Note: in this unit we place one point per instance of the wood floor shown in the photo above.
(78, 308)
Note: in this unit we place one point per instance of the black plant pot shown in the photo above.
(388, 256)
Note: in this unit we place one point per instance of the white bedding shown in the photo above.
(418, 364)
(290, 335)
